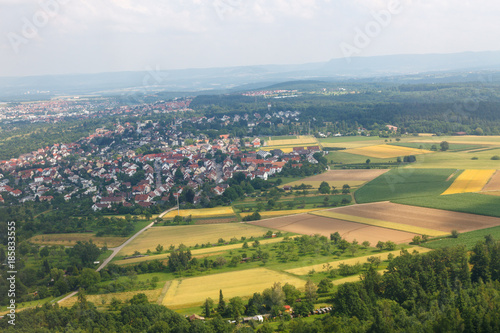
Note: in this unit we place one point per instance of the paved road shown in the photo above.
(117, 249)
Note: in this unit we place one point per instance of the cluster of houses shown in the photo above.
(117, 173)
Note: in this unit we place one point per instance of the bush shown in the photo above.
(454, 233)
(495, 158)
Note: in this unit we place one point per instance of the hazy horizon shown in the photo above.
(51, 37)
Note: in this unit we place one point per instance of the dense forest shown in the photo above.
(421, 108)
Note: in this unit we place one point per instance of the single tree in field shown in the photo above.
(221, 307)
(159, 248)
(380, 245)
(311, 291)
(444, 145)
(324, 188)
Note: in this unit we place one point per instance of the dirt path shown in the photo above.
(119, 248)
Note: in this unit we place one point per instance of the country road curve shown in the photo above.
(118, 249)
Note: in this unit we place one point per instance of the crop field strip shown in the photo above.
(385, 151)
(196, 252)
(471, 180)
(194, 291)
(152, 296)
(301, 140)
(346, 175)
(336, 183)
(189, 235)
(381, 224)
(201, 213)
(309, 224)
(72, 238)
(301, 271)
(274, 213)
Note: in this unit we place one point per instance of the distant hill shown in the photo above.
(381, 68)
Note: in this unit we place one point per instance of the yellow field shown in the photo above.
(274, 213)
(152, 295)
(285, 149)
(301, 140)
(337, 183)
(196, 252)
(335, 264)
(471, 180)
(194, 291)
(189, 235)
(201, 213)
(71, 239)
(385, 151)
(380, 223)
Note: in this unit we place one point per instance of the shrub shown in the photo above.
(495, 158)
(454, 233)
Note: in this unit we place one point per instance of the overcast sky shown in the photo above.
(89, 36)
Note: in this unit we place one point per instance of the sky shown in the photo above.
(39, 37)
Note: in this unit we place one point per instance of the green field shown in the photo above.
(428, 145)
(341, 139)
(339, 157)
(473, 203)
(405, 183)
(469, 239)
(459, 160)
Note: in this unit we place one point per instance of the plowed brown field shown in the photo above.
(435, 219)
(307, 224)
(494, 183)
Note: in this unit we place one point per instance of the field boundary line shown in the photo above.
(163, 292)
(380, 223)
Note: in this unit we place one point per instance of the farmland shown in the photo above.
(189, 235)
(193, 291)
(308, 224)
(473, 203)
(345, 176)
(152, 296)
(494, 183)
(304, 270)
(471, 180)
(468, 239)
(201, 213)
(413, 218)
(380, 223)
(195, 252)
(72, 239)
(404, 183)
(273, 213)
(385, 151)
(299, 141)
